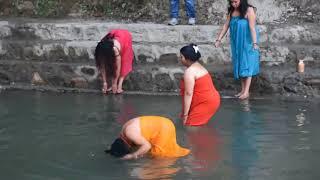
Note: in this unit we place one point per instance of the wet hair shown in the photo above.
(104, 55)
(118, 148)
(243, 7)
(191, 52)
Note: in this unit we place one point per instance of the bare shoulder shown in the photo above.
(132, 126)
(117, 44)
(250, 11)
(190, 72)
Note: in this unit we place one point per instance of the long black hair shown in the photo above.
(104, 55)
(118, 148)
(243, 7)
(191, 52)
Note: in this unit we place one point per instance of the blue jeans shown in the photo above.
(174, 8)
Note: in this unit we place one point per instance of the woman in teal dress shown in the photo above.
(244, 39)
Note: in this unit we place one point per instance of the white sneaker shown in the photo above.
(173, 22)
(192, 21)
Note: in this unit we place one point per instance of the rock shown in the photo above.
(6, 12)
(140, 81)
(168, 59)
(314, 82)
(4, 78)
(26, 5)
(79, 82)
(88, 71)
(37, 80)
(163, 82)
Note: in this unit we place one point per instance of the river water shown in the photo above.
(63, 136)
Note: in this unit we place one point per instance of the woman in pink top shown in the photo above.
(114, 58)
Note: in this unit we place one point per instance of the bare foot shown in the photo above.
(244, 96)
(239, 94)
(114, 89)
(119, 91)
(104, 88)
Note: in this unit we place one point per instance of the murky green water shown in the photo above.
(62, 136)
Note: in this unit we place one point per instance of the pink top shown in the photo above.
(126, 52)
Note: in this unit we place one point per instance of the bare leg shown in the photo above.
(104, 80)
(247, 84)
(119, 89)
(242, 87)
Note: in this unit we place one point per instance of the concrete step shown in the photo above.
(95, 30)
(75, 40)
(83, 51)
(82, 30)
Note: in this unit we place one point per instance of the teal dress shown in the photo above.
(245, 59)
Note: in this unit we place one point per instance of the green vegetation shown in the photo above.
(46, 8)
(114, 9)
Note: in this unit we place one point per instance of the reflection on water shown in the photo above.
(204, 143)
(303, 139)
(126, 109)
(300, 119)
(245, 105)
(246, 126)
(63, 136)
(156, 169)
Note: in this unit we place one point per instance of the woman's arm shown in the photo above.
(252, 23)
(223, 31)
(189, 81)
(136, 138)
(118, 69)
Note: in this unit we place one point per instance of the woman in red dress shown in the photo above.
(200, 99)
(114, 58)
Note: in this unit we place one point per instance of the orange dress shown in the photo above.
(126, 51)
(161, 133)
(205, 101)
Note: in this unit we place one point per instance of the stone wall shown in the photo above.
(59, 53)
(52, 45)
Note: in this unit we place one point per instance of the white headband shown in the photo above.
(196, 48)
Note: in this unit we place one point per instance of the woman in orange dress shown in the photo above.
(114, 58)
(200, 99)
(155, 135)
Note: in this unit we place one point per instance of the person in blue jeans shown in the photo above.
(190, 10)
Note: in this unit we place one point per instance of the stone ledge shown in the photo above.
(156, 78)
(82, 52)
(151, 33)
(95, 30)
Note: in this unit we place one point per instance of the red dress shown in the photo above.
(205, 101)
(126, 52)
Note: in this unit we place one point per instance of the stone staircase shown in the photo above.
(48, 54)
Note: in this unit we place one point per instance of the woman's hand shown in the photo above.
(129, 157)
(184, 118)
(255, 46)
(217, 43)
